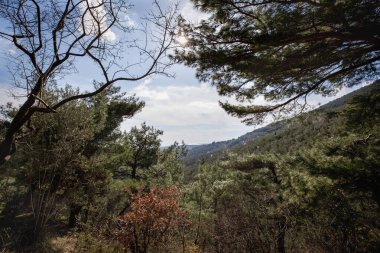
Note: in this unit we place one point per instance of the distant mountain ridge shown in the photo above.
(339, 103)
(199, 152)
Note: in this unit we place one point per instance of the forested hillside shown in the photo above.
(74, 178)
(277, 136)
(313, 186)
(310, 185)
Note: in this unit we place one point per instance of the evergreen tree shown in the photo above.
(61, 169)
(282, 50)
(144, 144)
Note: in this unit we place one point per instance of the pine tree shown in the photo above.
(282, 50)
(144, 144)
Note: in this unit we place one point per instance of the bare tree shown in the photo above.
(51, 35)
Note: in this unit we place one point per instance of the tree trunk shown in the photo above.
(196, 241)
(281, 235)
(135, 243)
(84, 216)
(134, 169)
(7, 146)
(73, 217)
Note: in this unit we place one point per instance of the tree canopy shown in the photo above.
(144, 144)
(50, 36)
(80, 183)
(282, 50)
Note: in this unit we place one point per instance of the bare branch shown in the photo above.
(52, 36)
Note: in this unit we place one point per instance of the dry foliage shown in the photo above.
(155, 218)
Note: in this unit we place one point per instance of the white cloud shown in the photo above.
(128, 21)
(97, 14)
(11, 95)
(190, 13)
(192, 113)
(184, 112)
(204, 105)
(145, 92)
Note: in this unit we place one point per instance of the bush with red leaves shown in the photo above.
(154, 219)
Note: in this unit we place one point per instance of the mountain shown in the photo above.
(199, 152)
(339, 103)
(273, 132)
(191, 147)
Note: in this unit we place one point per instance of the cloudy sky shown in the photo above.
(182, 107)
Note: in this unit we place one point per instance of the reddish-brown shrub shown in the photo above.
(154, 219)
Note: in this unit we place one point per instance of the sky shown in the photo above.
(184, 108)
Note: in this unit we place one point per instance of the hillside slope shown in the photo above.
(276, 131)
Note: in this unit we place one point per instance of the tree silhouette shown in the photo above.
(51, 36)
